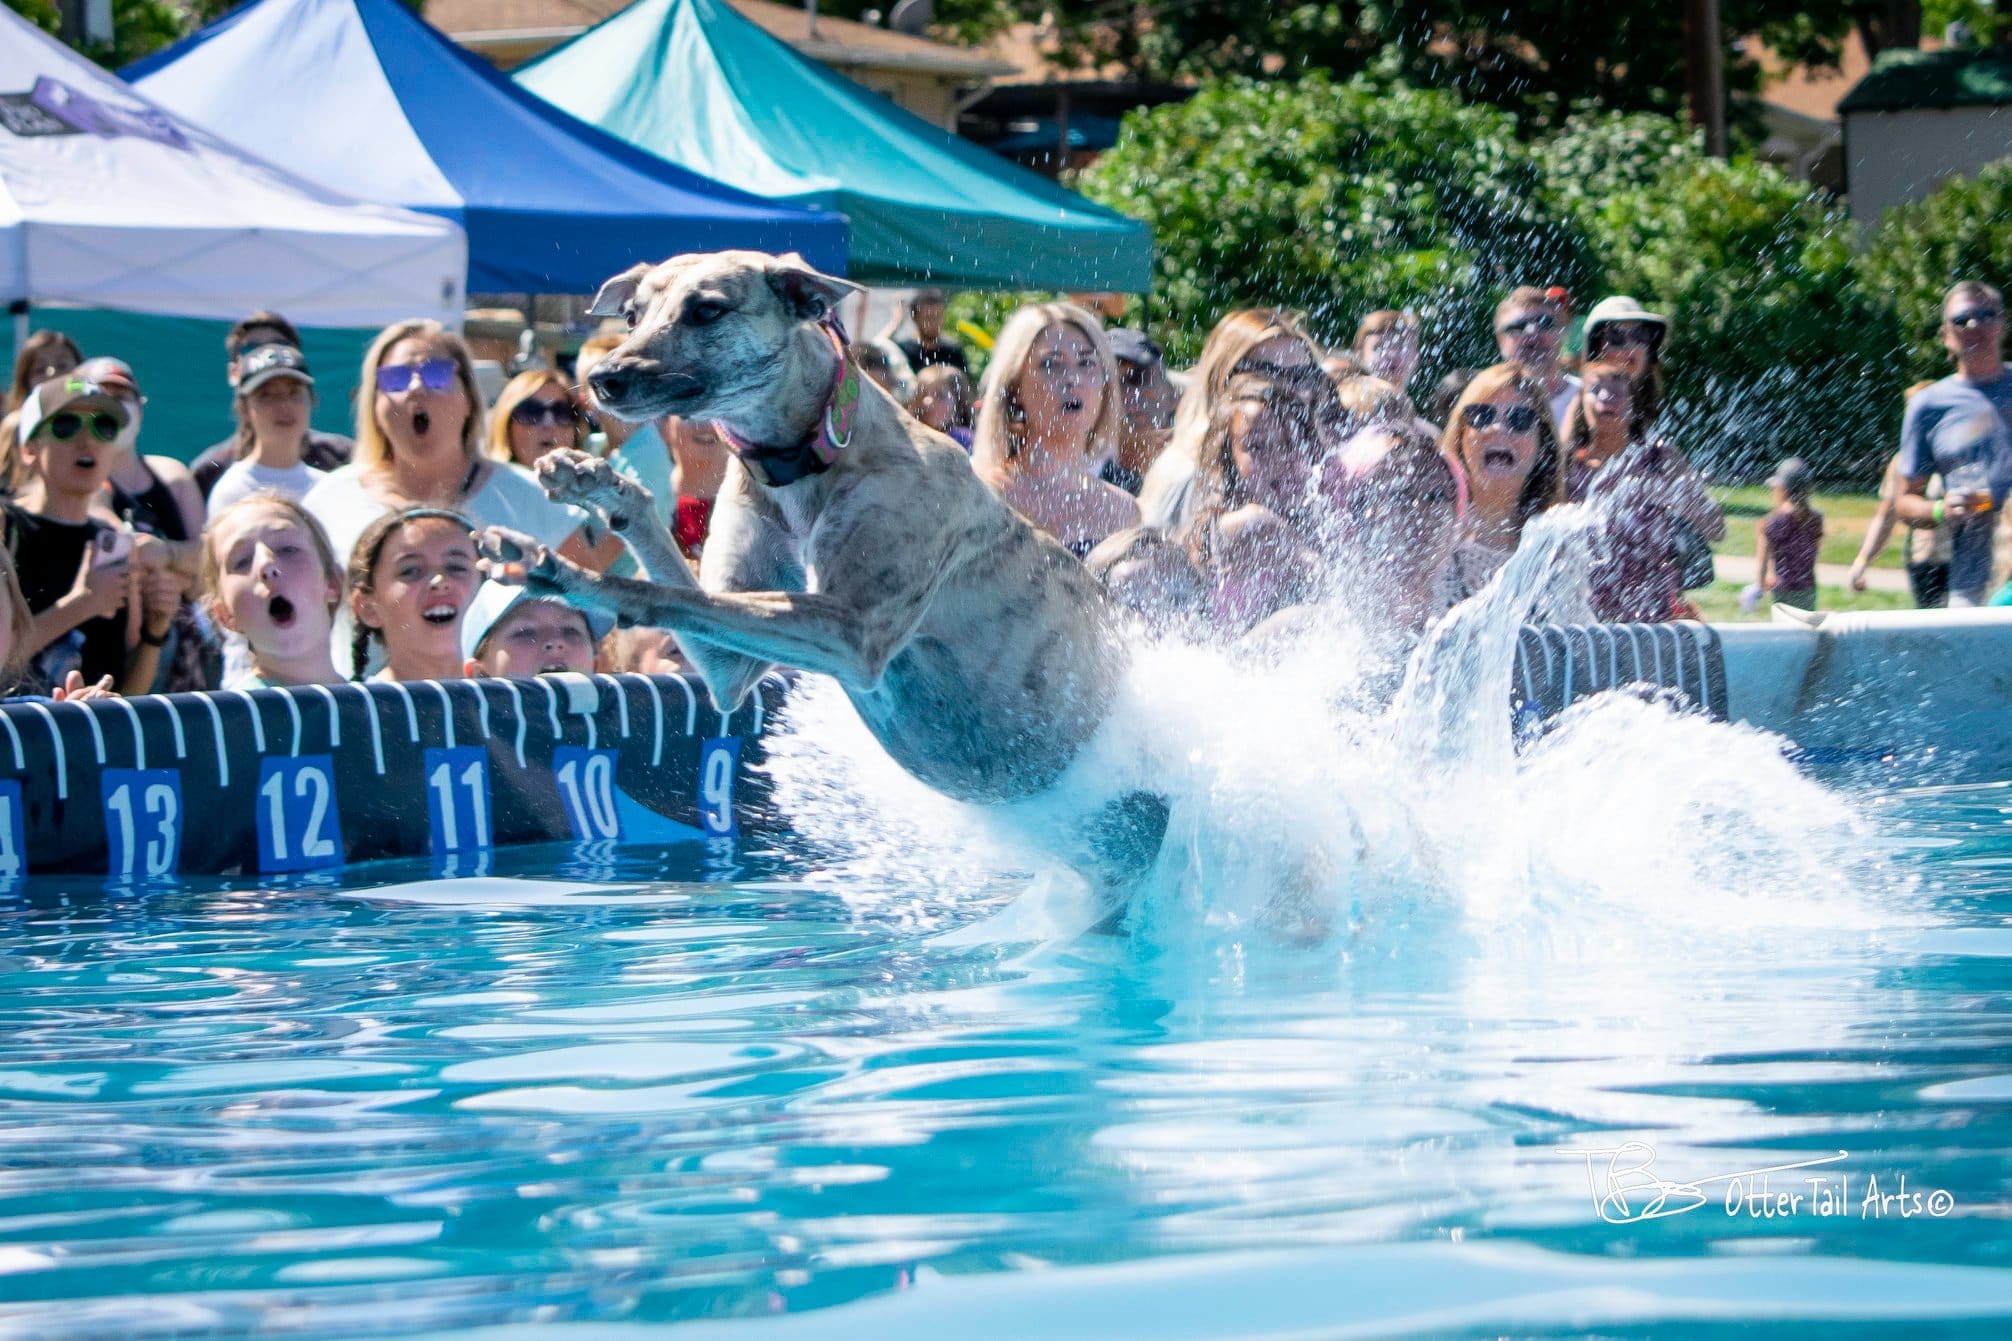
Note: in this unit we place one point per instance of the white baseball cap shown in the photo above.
(493, 600)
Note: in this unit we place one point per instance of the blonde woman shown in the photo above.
(1251, 339)
(1054, 412)
(419, 444)
(535, 414)
(1500, 433)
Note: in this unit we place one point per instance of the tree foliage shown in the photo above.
(1961, 231)
(1335, 198)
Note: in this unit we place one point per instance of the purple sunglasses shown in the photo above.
(434, 375)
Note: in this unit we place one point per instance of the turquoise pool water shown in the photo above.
(774, 1094)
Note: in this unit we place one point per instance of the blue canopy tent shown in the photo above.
(365, 97)
(694, 82)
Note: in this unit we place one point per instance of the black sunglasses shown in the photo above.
(532, 413)
(1537, 321)
(67, 425)
(1620, 337)
(1517, 418)
(1971, 318)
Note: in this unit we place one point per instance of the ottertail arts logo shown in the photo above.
(1626, 1188)
(54, 108)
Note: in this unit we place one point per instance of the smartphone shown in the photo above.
(111, 545)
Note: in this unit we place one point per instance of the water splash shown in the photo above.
(1313, 803)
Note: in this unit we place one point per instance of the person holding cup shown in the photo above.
(1958, 429)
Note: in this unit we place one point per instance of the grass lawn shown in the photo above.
(1845, 517)
(1720, 602)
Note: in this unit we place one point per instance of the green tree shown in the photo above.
(1776, 349)
(139, 27)
(1962, 230)
(1336, 199)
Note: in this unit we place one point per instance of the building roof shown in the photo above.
(839, 42)
(1907, 80)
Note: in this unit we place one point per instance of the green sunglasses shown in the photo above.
(67, 425)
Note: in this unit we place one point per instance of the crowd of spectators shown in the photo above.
(1275, 477)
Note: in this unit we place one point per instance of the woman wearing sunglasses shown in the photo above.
(1640, 489)
(419, 444)
(535, 414)
(83, 579)
(1620, 330)
(1500, 431)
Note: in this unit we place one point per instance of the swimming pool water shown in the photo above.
(594, 1089)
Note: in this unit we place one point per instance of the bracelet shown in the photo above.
(1937, 512)
(150, 640)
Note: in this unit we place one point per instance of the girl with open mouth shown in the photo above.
(270, 577)
(1500, 431)
(410, 580)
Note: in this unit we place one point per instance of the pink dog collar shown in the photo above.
(780, 466)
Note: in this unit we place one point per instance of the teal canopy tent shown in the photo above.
(693, 82)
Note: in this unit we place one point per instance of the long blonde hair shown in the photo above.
(1232, 340)
(20, 623)
(995, 442)
(521, 388)
(372, 449)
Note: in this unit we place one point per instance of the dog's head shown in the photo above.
(729, 336)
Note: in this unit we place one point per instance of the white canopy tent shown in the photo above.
(107, 201)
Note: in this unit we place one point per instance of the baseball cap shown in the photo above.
(1794, 476)
(261, 363)
(1133, 347)
(115, 375)
(68, 392)
(493, 600)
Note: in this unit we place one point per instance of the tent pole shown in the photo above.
(20, 310)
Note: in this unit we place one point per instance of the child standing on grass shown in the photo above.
(1790, 538)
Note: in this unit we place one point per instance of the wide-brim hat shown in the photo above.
(1620, 308)
(68, 392)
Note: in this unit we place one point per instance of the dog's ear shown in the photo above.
(806, 293)
(608, 302)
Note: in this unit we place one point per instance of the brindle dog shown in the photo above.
(979, 652)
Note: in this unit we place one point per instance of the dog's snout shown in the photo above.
(623, 381)
(614, 380)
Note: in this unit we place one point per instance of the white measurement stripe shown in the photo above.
(97, 732)
(691, 705)
(217, 725)
(293, 711)
(411, 713)
(517, 698)
(723, 724)
(621, 709)
(446, 709)
(376, 729)
(175, 720)
(334, 715)
(258, 723)
(20, 759)
(139, 737)
(62, 763)
(1523, 662)
(552, 707)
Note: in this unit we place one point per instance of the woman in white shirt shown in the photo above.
(275, 398)
(419, 444)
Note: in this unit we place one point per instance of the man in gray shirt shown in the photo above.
(1961, 429)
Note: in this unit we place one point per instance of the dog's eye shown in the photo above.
(705, 313)
(629, 316)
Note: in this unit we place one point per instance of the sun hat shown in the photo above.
(494, 600)
(261, 363)
(67, 392)
(1621, 308)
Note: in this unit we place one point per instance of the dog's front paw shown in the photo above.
(593, 485)
(516, 560)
